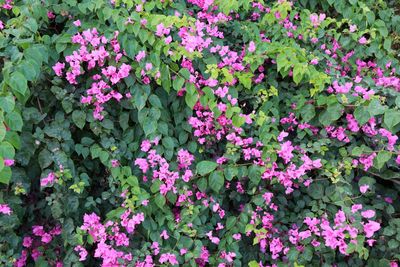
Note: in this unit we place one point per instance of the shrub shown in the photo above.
(199, 133)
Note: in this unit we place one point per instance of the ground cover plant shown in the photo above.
(199, 133)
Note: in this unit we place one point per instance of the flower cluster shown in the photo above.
(160, 167)
(34, 245)
(99, 56)
(344, 231)
(110, 234)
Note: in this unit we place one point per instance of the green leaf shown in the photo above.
(1, 163)
(375, 107)
(149, 126)
(79, 118)
(31, 24)
(155, 101)
(45, 159)
(391, 118)
(387, 44)
(331, 114)
(2, 131)
(186, 242)
(298, 72)
(253, 264)
(185, 73)
(238, 121)
(357, 151)
(216, 181)
(202, 184)
(18, 83)
(230, 222)
(165, 78)
(245, 79)
(397, 101)
(293, 254)
(307, 112)
(30, 69)
(168, 143)
(124, 120)
(316, 191)
(205, 167)
(362, 114)
(7, 103)
(178, 83)
(160, 201)
(5, 175)
(381, 159)
(230, 172)
(191, 95)
(14, 121)
(307, 254)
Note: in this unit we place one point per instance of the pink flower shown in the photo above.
(364, 188)
(362, 40)
(5, 209)
(221, 160)
(164, 234)
(315, 243)
(252, 47)
(58, 68)
(82, 252)
(314, 61)
(267, 196)
(50, 15)
(353, 28)
(392, 139)
(141, 55)
(168, 40)
(46, 238)
(221, 91)
(145, 146)
(286, 151)
(49, 180)
(124, 70)
(367, 161)
(185, 159)
(27, 242)
(282, 135)
(114, 163)
(212, 238)
(388, 200)
(77, 23)
(237, 236)
(187, 175)
(355, 208)
(316, 20)
(370, 228)
(368, 214)
(9, 162)
(168, 257)
(161, 30)
(183, 251)
(38, 230)
(148, 66)
(352, 123)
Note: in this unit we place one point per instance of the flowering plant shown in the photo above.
(199, 133)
